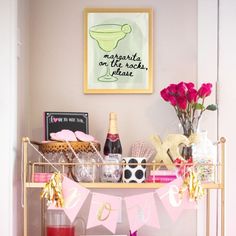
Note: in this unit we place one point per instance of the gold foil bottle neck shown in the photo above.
(113, 116)
(112, 123)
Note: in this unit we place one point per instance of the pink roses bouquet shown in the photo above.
(188, 103)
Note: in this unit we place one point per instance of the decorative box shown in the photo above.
(134, 169)
(161, 176)
(41, 177)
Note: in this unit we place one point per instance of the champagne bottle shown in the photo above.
(112, 144)
(112, 152)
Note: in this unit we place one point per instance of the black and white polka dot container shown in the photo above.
(134, 169)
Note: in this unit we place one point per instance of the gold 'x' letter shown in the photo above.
(169, 145)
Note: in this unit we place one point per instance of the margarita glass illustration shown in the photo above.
(108, 37)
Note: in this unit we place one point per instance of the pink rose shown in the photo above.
(192, 95)
(172, 88)
(189, 85)
(165, 94)
(181, 89)
(182, 103)
(205, 90)
(173, 100)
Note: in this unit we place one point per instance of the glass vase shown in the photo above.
(189, 127)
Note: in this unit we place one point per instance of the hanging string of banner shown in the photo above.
(104, 208)
(141, 208)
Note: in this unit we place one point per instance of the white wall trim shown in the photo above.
(207, 72)
(227, 77)
(8, 118)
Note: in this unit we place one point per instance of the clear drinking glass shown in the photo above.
(86, 170)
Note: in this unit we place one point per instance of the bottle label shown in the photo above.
(113, 137)
(113, 157)
(111, 173)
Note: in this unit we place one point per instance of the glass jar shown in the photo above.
(204, 152)
(58, 224)
(113, 171)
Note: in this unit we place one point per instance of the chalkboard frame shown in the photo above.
(59, 118)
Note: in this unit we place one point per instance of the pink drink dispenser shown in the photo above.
(58, 224)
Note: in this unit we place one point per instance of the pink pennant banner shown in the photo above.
(104, 210)
(141, 211)
(74, 198)
(172, 201)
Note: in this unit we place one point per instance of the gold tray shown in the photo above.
(54, 146)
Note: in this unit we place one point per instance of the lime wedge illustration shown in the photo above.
(126, 28)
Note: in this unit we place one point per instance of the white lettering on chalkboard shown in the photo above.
(80, 120)
(65, 119)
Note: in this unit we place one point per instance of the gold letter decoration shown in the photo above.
(168, 150)
(105, 206)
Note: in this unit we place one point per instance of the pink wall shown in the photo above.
(56, 30)
(56, 55)
(56, 81)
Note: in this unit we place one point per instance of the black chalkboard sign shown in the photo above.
(56, 121)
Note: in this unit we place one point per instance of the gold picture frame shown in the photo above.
(118, 47)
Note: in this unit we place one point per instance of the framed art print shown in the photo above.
(118, 51)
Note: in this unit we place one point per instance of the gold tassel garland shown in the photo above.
(52, 190)
(192, 184)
